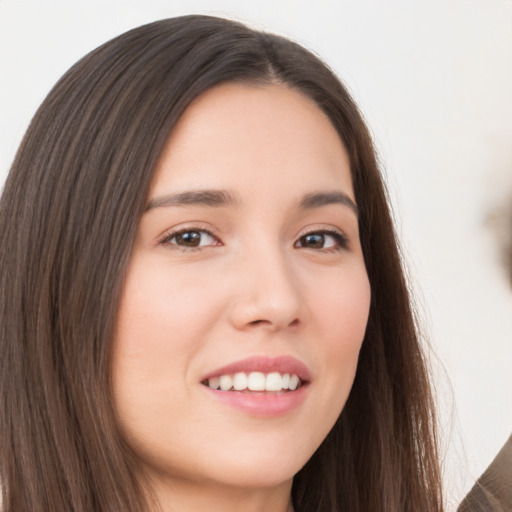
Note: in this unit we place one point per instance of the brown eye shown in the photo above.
(191, 238)
(322, 240)
(313, 241)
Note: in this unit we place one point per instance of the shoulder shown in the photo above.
(493, 490)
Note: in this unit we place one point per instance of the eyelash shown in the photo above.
(340, 239)
(166, 239)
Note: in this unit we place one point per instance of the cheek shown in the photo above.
(162, 324)
(162, 315)
(343, 316)
(343, 307)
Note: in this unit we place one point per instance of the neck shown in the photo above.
(187, 497)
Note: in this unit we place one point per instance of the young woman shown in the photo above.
(202, 300)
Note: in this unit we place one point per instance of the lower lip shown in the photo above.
(261, 404)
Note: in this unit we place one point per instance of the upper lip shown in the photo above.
(264, 364)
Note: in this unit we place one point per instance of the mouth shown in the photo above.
(255, 382)
(260, 386)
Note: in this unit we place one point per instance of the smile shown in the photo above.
(260, 386)
(255, 381)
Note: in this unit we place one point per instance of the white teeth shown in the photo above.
(274, 382)
(240, 381)
(294, 382)
(226, 382)
(214, 382)
(255, 381)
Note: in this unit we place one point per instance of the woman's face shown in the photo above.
(247, 271)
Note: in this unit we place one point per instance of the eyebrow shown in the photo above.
(215, 198)
(222, 198)
(318, 199)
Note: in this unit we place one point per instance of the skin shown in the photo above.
(255, 286)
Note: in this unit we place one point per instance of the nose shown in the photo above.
(266, 294)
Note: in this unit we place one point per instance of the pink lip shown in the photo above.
(264, 364)
(262, 403)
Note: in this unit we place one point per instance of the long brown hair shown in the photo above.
(68, 217)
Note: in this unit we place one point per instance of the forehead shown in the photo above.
(235, 135)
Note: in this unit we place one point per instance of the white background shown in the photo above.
(434, 80)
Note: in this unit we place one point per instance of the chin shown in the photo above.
(269, 474)
(235, 468)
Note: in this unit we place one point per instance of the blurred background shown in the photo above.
(434, 81)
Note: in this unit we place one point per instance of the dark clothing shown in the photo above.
(493, 490)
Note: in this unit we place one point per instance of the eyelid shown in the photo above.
(338, 234)
(184, 228)
(321, 228)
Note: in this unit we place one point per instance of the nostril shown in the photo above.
(258, 322)
(293, 323)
